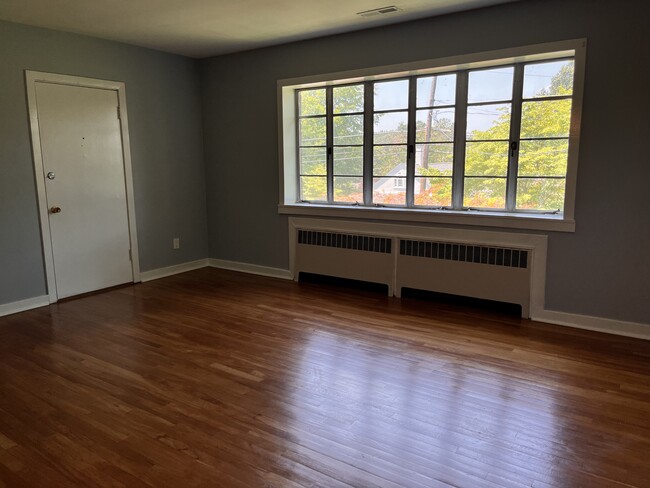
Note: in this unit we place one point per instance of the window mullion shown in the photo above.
(329, 122)
(515, 128)
(368, 126)
(542, 82)
(410, 140)
(460, 136)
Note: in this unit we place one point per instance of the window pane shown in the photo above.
(488, 122)
(434, 125)
(348, 189)
(543, 158)
(548, 79)
(486, 159)
(434, 159)
(549, 118)
(348, 129)
(313, 188)
(348, 161)
(391, 95)
(485, 192)
(348, 99)
(313, 132)
(389, 161)
(313, 161)
(436, 90)
(433, 192)
(312, 102)
(386, 192)
(490, 85)
(540, 193)
(391, 128)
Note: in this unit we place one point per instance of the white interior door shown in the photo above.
(85, 187)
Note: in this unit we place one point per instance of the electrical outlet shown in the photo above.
(176, 243)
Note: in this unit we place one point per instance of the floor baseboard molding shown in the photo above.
(597, 324)
(23, 305)
(155, 274)
(284, 274)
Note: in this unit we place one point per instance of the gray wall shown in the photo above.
(164, 106)
(603, 269)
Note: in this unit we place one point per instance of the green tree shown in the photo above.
(312, 132)
(434, 160)
(542, 161)
(348, 101)
(348, 143)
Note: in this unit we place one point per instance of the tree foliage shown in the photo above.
(542, 162)
(486, 162)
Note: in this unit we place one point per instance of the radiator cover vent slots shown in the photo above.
(345, 241)
(499, 266)
(450, 251)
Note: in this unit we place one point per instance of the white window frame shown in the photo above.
(287, 117)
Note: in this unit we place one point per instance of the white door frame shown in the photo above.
(31, 78)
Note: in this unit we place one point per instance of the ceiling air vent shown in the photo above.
(379, 11)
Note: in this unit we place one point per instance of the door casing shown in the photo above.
(33, 77)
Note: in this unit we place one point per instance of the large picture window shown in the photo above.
(494, 138)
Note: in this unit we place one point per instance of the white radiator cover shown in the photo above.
(376, 267)
(507, 267)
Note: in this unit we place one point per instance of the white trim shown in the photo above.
(128, 172)
(256, 269)
(22, 305)
(580, 58)
(596, 324)
(288, 181)
(485, 219)
(155, 274)
(585, 322)
(537, 244)
(31, 78)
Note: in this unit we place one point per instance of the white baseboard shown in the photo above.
(284, 274)
(154, 274)
(22, 305)
(597, 324)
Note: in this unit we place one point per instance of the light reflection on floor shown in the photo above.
(416, 413)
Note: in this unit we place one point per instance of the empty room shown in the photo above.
(324, 244)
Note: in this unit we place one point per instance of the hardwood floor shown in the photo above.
(213, 378)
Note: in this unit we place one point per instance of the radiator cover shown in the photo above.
(345, 255)
(488, 265)
(480, 271)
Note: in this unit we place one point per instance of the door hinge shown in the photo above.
(119, 114)
(130, 255)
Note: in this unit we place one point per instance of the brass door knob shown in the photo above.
(55, 210)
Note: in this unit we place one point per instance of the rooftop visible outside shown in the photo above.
(545, 121)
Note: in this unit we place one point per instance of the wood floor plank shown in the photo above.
(217, 379)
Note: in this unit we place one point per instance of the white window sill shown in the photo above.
(474, 218)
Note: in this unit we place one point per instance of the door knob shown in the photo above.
(50, 175)
(55, 210)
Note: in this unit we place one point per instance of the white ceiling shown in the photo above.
(201, 28)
